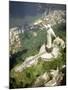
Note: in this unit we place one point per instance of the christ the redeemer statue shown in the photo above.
(50, 34)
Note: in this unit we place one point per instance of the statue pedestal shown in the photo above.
(48, 49)
(54, 51)
(50, 53)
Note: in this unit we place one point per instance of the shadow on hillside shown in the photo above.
(13, 57)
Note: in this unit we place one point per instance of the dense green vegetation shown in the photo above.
(60, 30)
(27, 77)
(31, 46)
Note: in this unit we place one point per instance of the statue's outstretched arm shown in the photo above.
(45, 26)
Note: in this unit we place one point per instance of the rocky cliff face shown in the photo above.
(53, 78)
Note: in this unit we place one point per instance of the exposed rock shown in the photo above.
(51, 83)
(57, 77)
(53, 78)
(41, 80)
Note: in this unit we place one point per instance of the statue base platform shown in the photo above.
(49, 54)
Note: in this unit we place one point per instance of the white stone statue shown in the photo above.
(50, 34)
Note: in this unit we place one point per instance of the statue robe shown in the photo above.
(50, 33)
